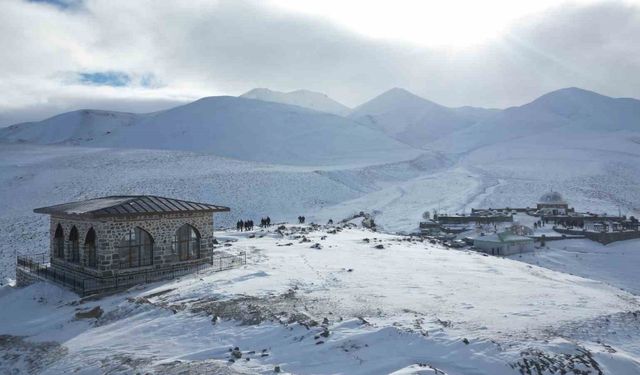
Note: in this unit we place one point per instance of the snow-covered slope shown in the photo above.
(414, 120)
(302, 98)
(35, 176)
(358, 303)
(70, 127)
(240, 128)
(563, 114)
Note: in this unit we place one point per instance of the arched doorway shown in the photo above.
(90, 248)
(58, 243)
(136, 249)
(74, 245)
(187, 243)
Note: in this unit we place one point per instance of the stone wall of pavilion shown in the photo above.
(110, 231)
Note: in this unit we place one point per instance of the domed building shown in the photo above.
(552, 204)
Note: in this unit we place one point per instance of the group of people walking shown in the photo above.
(246, 225)
(301, 219)
(242, 226)
(265, 222)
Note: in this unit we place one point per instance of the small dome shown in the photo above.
(552, 197)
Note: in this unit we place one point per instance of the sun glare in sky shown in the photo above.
(450, 23)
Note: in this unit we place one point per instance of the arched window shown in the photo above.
(136, 249)
(90, 248)
(74, 244)
(187, 243)
(58, 243)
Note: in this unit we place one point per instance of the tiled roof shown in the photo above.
(128, 205)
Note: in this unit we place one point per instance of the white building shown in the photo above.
(505, 243)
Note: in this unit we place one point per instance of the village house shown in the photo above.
(504, 243)
(120, 236)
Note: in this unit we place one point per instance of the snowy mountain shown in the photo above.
(567, 114)
(302, 98)
(414, 120)
(233, 127)
(71, 127)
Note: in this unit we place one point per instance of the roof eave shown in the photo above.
(89, 215)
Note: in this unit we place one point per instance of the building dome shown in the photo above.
(552, 197)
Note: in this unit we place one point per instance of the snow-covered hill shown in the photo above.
(414, 120)
(34, 176)
(302, 98)
(239, 128)
(565, 114)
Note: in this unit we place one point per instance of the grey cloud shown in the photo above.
(228, 47)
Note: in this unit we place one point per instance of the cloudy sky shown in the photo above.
(144, 55)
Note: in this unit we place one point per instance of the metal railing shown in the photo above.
(85, 284)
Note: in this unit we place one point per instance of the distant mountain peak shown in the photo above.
(570, 100)
(393, 99)
(398, 92)
(302, 98)
(574, 92)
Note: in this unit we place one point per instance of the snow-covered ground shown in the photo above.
(396, 194)
(345, 308)
(34, 176)
(616, 264)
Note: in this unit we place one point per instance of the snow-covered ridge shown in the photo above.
(567, 114)
(302, 98)
(414, 120)
(264, 129)
(240, 128)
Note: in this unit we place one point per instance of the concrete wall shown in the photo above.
(602, 237)
(110, 231)
(443, 219)
(503, 248)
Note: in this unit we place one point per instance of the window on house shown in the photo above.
(74, 244)
(187, 243)
(58, 243)
(90, 248)
(136, 249)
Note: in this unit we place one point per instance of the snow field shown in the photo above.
(387, 309)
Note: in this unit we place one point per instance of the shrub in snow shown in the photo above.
(236, 353)
(94, 313)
